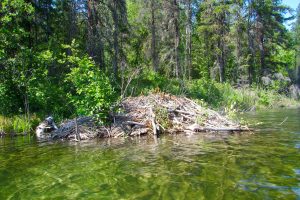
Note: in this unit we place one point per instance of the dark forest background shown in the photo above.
(79, 56)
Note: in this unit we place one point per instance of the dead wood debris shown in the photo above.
(152, 114)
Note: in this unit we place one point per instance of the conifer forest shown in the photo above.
(79, 57)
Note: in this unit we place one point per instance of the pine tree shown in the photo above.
(188, 38)
(214, 25)
(153, 27)
(266, 31)
(296, 29)
(239, 42)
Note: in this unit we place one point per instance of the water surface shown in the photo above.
(264, 165)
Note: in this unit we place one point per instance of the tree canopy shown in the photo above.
(54, 51)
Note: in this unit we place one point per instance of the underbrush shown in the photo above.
(92, 99)
(18, 124)
(221, 96)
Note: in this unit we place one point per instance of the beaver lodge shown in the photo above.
(153, 114)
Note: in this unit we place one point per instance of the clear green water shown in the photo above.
(265, 165)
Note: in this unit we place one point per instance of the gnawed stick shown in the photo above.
(283, 121)
(153, 121)
(135, 123)
(184, 112)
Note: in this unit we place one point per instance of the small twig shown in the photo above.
(119, 134)
(129, 81)
(283, 121)
(161, 127)
(108, 132)
(187, 117)
(184, 112)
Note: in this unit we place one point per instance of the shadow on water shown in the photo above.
(265, 165)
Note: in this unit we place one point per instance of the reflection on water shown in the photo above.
(264, 165)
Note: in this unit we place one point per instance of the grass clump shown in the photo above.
(18, 124)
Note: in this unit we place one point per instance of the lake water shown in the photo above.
(264, 165)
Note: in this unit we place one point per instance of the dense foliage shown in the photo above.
(127, 47)
(90, 91)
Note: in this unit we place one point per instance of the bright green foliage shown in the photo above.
(162, 117)
(263, 98)
(219, 95)
(18, 124)
(138, 46)
(15, 54)
(284, 59)
(90, 90)
(150, 81)
(206, 90)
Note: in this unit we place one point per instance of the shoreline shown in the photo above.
(237, 101)
(154, 114)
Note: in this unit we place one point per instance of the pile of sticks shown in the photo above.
(153, 114)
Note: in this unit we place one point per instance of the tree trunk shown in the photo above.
(115, 37)
(251, 50)
(35, 23)
(238, 72)
(188, 44)
(221, 47)
(95, 44)
(260, 38)
(221, 61)
(72, 28)
(262, 55)
(251, 58)
(238, 58)
(176, 38)
(90, 28)
(153, 38)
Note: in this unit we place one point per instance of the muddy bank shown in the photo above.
(144, 115)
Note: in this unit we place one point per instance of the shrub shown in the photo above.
(90, 90)
(264, 98)
(207, 90)
(149, 81)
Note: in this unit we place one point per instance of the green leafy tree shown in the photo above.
(266, 31)
(90, 90)
(16, 66)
